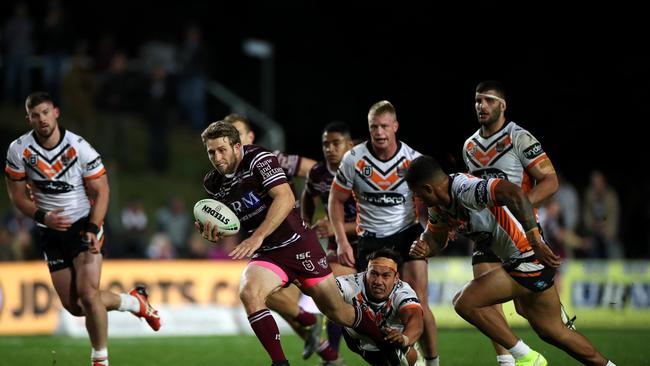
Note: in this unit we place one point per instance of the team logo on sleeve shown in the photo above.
(481, 193)
(533, 151)
(94, 164)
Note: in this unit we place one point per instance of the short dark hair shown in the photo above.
(422, 168)
(495, 85)
(221, 129)
(234, 117)
(340, 127)
(386, 253)
(37, 98)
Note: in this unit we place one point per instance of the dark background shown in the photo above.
(576, 78)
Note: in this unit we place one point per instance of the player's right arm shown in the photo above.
(308, 201)
(336, 203)
(17, 190)
(434, 238)
(339, 193)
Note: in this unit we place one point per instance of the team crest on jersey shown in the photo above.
(500, 146)
(65, 159)
(32, 160)
(323, 262)
(309, 265)
(367, 171)
(472, 149)
(401, 172)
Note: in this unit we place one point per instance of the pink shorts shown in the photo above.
(303, 262)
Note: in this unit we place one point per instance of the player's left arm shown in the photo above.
(304, 166)
(546, 183)
(99, 189)
(412, 319)
(283, 203)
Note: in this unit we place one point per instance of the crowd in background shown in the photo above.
(85, 80)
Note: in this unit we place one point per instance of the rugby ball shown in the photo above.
(218, 214)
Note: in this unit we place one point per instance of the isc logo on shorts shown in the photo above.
(303, 256)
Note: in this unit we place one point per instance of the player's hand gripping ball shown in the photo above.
(217, 214)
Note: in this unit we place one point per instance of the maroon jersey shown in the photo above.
(246, 192)
(319, 182)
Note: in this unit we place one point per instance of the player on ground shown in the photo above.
(474, 207)
(387, 218)
(59, 166)
(392, 303)
(282, 249)
(336, 141)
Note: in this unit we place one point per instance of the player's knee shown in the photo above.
(74, 309)
(250, 296)
(460, 306)
(89, 296)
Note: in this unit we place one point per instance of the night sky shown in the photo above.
(578, 80)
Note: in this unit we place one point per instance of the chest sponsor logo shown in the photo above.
(248, 200)
(490, 173)
(384, 199)
(533, 151)
(53, 186)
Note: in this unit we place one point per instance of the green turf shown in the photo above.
(457, 347)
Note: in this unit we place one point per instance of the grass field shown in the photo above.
(457, 348)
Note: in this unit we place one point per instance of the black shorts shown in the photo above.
(61, 247)
(483, 254)
(536, 281)
(375, 358)
(400, 242)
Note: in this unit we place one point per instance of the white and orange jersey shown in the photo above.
(385, 313)
(385, 203)
(56, 175)
(508, 154)
(473, 213)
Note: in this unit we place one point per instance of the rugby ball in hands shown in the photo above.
(217, 214)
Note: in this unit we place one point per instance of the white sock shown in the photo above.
(99, 356)
(520, 350)
(610, 363)
(129, 303)
(506, 360)
(433, 361)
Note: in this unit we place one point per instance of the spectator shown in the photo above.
(174, 221)
(54, 46)
(18, 47)
(191, 83)
(601, 218)
(134, 225)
